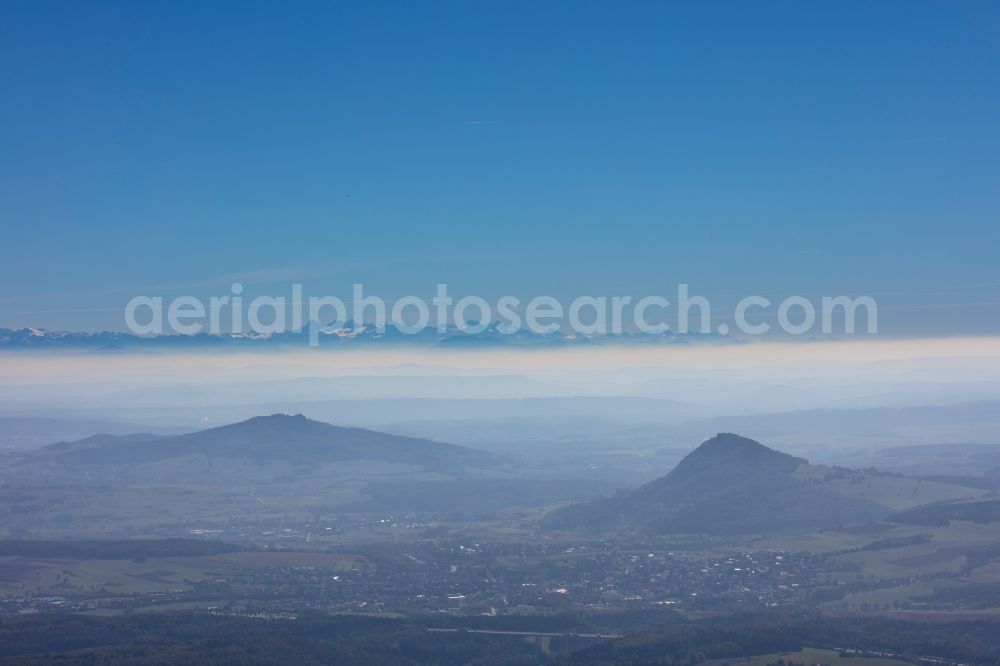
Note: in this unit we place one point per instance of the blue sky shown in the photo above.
(817, 148)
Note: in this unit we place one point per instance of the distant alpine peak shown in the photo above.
(349, 333)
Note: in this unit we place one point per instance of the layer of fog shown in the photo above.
(670, 396)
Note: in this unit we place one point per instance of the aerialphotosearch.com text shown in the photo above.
(585, 315)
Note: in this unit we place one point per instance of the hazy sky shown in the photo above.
(527, 148)
(179, 388)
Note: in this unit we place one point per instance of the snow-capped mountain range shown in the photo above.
(349, 335)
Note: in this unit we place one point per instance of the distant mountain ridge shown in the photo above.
(349, 334)
(296, 439)
(25, 433)
(728, 485)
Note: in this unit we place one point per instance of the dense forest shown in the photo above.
(313, 639)
(984, 511)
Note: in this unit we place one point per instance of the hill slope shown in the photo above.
(728, 485)
(19, 433)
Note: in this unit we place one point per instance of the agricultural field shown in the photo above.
(893, 566)
(20, 576)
